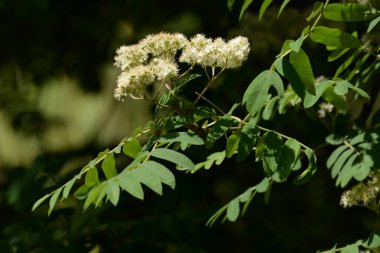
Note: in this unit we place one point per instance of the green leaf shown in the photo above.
(334, 156)
(184, 138)
(337, 53)
(93, 195)
(349, 12)
(338, 165)
(202, 112)
(317, 7)
(334, 139)
(372, 242)
(264, 7)
(248, 137)
(287, 70)
(347, 171)
(356, 89)
(132, 147)
(259, 151)
(230, 3)
(108, 166)
(219, 129)
(131, 185)
(272, 152)
(320, 88)
(113, 191)
(339, 101)
(173, 156)
(41, 200)
(246, 195)
(256, 94)
(53, 200)
(289, 155)
(352, 248)
(347, 62)
(311, 169)
(163, 173)
(233, 210)
(341, 87)
(363, 168)
(246, 4)
(373, 23)
(283, 5)
(82, 191)
(232, 145)
(92, 177)
(67, 188)
(284, 100)
(334, 37)
(269, 108)
(263, 185)
(217, 158)
(145, 175)
(301, 64)
(178, 121)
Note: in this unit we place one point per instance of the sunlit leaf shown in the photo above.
(232, 145)
(173, 156)
(256, 94)
(263, 185)
(373, 24)
(108, 166)
(132, 147)
(233, 210)
(334, 37)
(317, 7)
(245, 6)
(53, 200)
(264, 7)
(352, 12)
(130, 185)
(283, 5)
(301, 64)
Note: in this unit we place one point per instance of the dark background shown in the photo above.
(57, 112)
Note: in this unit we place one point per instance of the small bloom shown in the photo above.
(130, 56)
(163, 69)
(237, 52)
(216, 53)
(133, 81)
(323, 108)
(163, 45)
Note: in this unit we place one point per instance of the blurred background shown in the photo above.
(57, 112)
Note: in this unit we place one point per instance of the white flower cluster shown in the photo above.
(216, 53)
(366, 194)
(153, 59)
(323, 108)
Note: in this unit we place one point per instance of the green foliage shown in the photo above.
(354, 158)
(288, 84)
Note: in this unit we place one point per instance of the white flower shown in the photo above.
(237, 52)
(323, 108)
(130, 56)
(133, 81)
(163, 45)
(216, 53)
(163, 69)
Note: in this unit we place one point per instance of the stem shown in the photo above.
(208, 86)
(350, 146)
(211, 103)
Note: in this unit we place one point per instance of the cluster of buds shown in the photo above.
(153, 59)
(364, 194)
